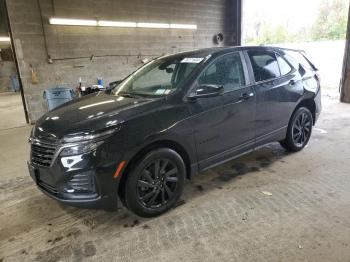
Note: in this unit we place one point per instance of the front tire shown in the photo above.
(299, 130)
(156, 183)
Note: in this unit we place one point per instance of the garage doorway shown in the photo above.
(12, 106)
(316, 26)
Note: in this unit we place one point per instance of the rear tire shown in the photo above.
(156, 183)
(299, 130)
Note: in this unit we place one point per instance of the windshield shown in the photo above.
(158, 78)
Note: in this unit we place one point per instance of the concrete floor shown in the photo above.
(11, 110)
(223, 216)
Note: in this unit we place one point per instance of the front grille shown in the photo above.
(42, 153)
(82, 183)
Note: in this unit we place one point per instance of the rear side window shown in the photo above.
(291, 60)
(265, 65)
(285, 68)
(301, 59)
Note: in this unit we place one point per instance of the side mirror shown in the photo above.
(206, 90)
(114, 84)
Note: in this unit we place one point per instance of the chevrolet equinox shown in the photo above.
(175, 116)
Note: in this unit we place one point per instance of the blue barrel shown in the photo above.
(14, 82)
(58, 96)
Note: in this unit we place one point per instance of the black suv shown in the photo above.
(170, 119)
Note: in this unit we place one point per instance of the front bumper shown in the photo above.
(104, 195)
(83, 181)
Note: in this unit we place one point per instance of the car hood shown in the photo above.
(88, 114)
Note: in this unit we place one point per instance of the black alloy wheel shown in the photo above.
(155, 183)
(299, 130)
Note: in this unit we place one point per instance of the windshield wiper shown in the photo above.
(128, 94)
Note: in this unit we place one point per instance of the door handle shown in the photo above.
(246, 96)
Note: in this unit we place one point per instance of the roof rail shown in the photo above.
(291, 49)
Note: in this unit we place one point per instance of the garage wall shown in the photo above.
(3, 20)
(7, 68)
(110, 53)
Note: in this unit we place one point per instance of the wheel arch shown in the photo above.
(147, 148)
(309, 104)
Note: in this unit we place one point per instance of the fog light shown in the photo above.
(68, 190)
(81, 183)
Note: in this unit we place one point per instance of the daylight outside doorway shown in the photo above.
(316, 26)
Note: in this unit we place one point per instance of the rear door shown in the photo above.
(278, 88)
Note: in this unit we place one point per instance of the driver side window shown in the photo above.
(226, 71)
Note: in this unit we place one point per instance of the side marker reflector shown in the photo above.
(119, 168)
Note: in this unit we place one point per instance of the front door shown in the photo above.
(224, 123)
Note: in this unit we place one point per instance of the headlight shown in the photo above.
(83, 143)
(81, 148)
(86, 136)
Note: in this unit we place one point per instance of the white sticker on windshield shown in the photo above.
(190, 60)
(160, 91)
(163, 91)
